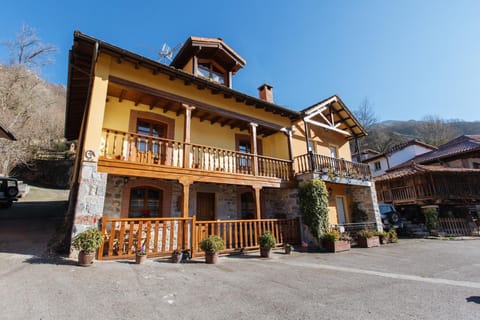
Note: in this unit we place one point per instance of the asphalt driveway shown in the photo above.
(415, 279)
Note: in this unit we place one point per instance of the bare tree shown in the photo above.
(435, 131)
(365, 114)
(28, 49)
(30, 108)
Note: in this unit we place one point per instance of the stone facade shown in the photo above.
(280, 203)
(90, 197)
(366, 197)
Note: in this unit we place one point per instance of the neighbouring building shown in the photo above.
(447, 177)
(170, 154)
(396, 155)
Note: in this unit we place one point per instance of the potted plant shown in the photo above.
(212, 245)
(177, 256)
(87, 242)
(367, 239)
(334, 241)
(267, 243)
(140, 255)
(383, 236)
(392, 235)
(288, 248)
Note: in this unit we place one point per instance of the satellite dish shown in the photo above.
(166, 53)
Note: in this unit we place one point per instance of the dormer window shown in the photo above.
(211, 71)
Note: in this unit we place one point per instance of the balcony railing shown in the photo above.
(127, 146)
(312, 162)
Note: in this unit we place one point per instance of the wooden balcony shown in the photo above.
(333, 167)
(132, 151)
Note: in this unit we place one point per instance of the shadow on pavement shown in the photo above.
(27, 227)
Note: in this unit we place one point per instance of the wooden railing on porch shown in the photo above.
(128, 146)
(313, 162)
(158, 236)
(243, 234)
(161, 236)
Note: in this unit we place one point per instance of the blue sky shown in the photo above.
(409, 58)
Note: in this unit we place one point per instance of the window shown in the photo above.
(151, 129)
(476, 165)
(145, 202)
(212, 72)
(378, 165)
(245, 162)
(333, 151)
(312, 146)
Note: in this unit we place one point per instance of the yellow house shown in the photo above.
(169, 154)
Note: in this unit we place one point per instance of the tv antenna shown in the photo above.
(166, 53)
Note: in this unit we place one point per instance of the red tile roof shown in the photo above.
(418, 168)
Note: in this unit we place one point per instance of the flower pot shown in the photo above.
(266, 252)
(383, 240)
(368, 242)
(211, 257)
(177, 257)
(336, 246)
(85, 259)
(288, 250)
(139, 259)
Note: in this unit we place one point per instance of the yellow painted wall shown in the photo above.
(97, 105)
(338, 190)
(322, 138)
(276, 146)
(162, 82)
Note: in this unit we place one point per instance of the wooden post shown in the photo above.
(185, 197)
(258, 214)
(253, 143)
(193, 243)
(186, 135)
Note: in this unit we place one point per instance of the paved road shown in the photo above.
(415, 279)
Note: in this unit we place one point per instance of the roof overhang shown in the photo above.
(209, 48)
(332, 114)
(82, 58)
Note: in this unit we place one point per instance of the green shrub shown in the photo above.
(365, 233)
(88, 240)
(431, 218)
(212, 244)
(313, 198)
(330, 235)
(392, 235)
(267, 240)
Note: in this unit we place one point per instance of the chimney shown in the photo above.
(265, 92)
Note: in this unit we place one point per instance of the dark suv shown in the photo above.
(8, 192)
(390, 217)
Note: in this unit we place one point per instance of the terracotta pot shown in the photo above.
(211, 257)
(85, 259)
(177, 257)
(266, 252)
(336, 246)
(368, 242)
(139, 259)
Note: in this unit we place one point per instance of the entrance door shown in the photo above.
(205, 206)
(340, 210)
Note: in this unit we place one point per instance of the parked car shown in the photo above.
(8, 192)
(390, 216)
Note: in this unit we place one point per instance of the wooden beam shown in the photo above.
(224, 123)
(167, 107)
(198, 104)
(122, 95)
(204, 117)
(153, 103)
(138, 100)
(214, 120)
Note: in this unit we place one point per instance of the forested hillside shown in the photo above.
(31, 108)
